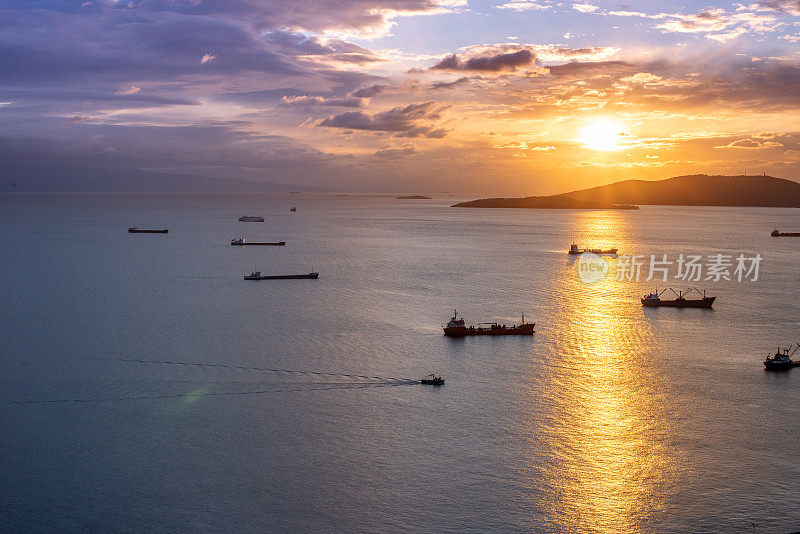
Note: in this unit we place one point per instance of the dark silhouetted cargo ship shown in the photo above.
(258, 276)
(654, 300)
(134, 230)
(574, 250)
(251, 218)
(241, 243)
(457, 328)
(776, 233)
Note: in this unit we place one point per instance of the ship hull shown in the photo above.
(786, 234)
(312, 276)
(278, 244)
(464, 331)
(609, 252)
(770, 366)
(685, 303)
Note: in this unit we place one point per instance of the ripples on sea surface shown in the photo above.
(610, 419)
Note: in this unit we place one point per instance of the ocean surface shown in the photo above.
(145, 386)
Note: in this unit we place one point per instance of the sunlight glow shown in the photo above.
(602, 134)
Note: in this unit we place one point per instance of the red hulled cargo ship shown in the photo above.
(457, 328)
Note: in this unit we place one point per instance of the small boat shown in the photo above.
(251, 218)
(258, 276)
(574, 250)
(241, 242)
(776, 233)
(134, 230)
(292, 209)
(432, 380)
(457, 328)
(653, 300)
(781, 360)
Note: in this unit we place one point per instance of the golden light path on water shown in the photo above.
(611, 458)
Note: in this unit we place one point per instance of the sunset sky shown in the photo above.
(465, 96)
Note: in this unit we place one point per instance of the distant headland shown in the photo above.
(413, 197)
(692, 190)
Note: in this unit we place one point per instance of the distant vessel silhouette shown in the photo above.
(653, 300)
(258, 276)
(781, 360)
(574, 250)
(251, 218)
(134, 230)
(457, 328)
(432, 380)
(241, 243)
(776, 233)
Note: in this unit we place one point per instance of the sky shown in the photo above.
(500, 97)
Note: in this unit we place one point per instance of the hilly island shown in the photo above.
(692, 190)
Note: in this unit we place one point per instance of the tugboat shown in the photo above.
(457, 328)
(251, 218)
(241, 242)
(776, 233)
(781, 360)
(574, 251)
(134, 230)
(432, 380)
(258, 276)
(653, 300)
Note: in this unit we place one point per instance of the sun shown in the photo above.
(602, 134)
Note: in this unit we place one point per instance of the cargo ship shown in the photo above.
(654, 300)
(134, 230)
(251, 218)
(241, 243)
(457, 328)
(258, 276)
(776, 233)
(574, 250)
(781, 360)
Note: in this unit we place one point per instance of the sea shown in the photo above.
(145, 386)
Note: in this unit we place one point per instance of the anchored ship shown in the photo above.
(654, 300)
(134, 230)
(258, 276)
(776, 233)
(457, 328)
(241, 242)
(251, 218)
(781, 360)
(574, 250)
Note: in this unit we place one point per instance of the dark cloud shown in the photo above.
(449, 85)
(505, 62)
(783, 6)
(413, 120)
(289, 101)
(396, 152)
(369, 92)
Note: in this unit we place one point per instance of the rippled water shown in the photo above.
(611, 418)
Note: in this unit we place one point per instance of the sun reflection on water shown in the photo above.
(605, 428)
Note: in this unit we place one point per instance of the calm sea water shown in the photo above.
(610, 419)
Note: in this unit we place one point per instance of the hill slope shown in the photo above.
(693, 190)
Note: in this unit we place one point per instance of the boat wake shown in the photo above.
(314, 381)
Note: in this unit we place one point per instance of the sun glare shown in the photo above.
(602, 134)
